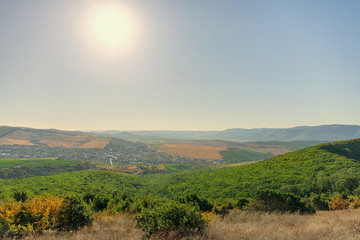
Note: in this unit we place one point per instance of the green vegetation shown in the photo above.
(117, 142)
(170, 168)
(4, 163)
(172, 217)
(33, 216)
(75, 183)
(271, 200)
(323, 177)
(311, 170)
(23, 168)
(40, 162)
(237, 155)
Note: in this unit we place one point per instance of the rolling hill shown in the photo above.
(326, 168)
(325, 133)
(28, 143)
(50, 138)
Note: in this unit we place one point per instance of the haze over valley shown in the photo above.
(179, 120)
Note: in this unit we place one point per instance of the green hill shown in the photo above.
(326, 168)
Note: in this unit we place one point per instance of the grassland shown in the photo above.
(323, 225)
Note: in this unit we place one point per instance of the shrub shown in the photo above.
(177, 217)
(4, 226)
(33, 215)
(20, 196)
(74, 214)
(97, 202)
(271, 200)
(40, 213)
(338, 203)
(353, 201)
(242, 202)
(222, 207)
(319, 201)
(204, 204)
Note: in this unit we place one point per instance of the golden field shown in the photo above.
(196, 151)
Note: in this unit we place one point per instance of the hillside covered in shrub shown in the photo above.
(327, 168)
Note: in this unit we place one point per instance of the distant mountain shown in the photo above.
(305, 133)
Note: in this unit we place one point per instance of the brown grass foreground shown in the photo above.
(343, 224)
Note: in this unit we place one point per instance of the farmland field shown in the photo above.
(52, 138)
(192, 151)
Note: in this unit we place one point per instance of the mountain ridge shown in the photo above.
(333, 132)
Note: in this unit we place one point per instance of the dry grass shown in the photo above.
(53, 140)
(11, 141)
(344, 225)
(193, 151)
(323, 225)
(120, 227)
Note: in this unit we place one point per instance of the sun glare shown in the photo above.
(110, 27)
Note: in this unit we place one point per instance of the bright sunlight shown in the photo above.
(110, 27)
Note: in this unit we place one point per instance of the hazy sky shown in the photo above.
(194, 65)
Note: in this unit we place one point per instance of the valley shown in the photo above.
(212, 180)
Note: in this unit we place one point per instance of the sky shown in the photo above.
(179, 65)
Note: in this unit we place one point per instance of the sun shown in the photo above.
(110, 27)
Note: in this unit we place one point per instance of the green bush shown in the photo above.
(195, 200)
(271, 200)
(4, 227)
(74, 214)
(319, 201)
(181, 218)
(20, 196)
(223, 207)
(98, 202)
(242, 202)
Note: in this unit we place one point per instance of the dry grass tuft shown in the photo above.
(237, 225)
(256, 225)
(105, 227)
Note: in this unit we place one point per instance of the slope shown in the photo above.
(327, 168)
